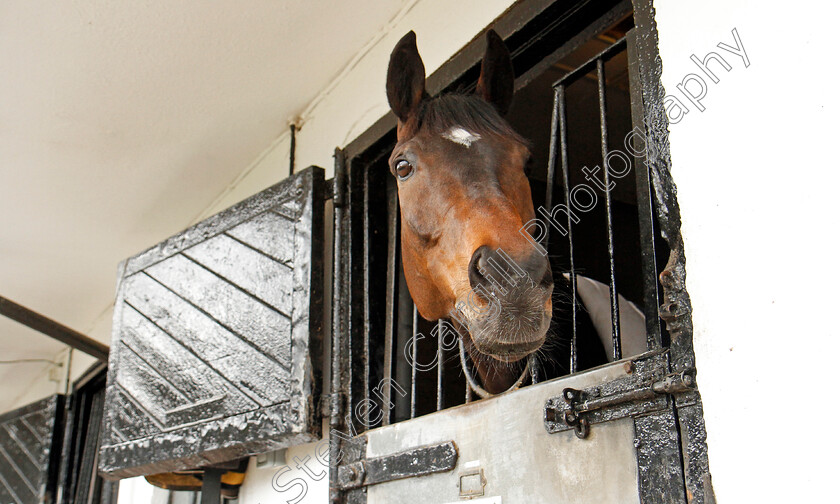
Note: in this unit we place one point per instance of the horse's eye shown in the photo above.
(529, 166)
(403, 169)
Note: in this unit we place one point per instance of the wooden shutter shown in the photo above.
(215, 333)
(27, 439)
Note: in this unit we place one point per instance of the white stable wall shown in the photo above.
(757, 187)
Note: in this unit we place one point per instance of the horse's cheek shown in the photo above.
(431, 300)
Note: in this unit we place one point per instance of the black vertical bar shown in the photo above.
(659, 459)
(602, 103)
(647, 238)
(338, 376)
(350, 360)
(402, 373)
(533, 366)
(292, 129)
(211, 486)
(440, 365)
(414, 344)
(390, 304)
(560, 111)
(552, 158)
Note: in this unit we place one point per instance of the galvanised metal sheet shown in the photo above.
(504, 440)
(213, 331)
(27, 439)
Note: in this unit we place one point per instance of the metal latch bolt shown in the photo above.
(575, 404)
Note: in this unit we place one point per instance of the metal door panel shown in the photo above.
(505, 437)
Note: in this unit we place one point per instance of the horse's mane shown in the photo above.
(466, 111)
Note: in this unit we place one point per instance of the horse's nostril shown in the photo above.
(548, 277)
(478, 263)
(488, 267)
(481, 262)
(539, 269)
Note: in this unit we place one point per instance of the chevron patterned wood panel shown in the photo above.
(213, 329)
(27, 437)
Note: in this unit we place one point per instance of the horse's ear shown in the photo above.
(406, 84)
(495, 84)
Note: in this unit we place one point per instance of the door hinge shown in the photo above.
(407, 464)
(646, 389)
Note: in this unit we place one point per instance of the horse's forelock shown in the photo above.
(440, 115)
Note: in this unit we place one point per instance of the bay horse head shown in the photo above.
(464, 197)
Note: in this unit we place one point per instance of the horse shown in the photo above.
(464, 197)
(465, 200)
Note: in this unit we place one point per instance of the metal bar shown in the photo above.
(292, 129)
(659, 459)
(211, 486)
(390, 304)
(602, 104)
(53, 329)
(440, 365)
(420, 461)
(650, 285)
(367, 307)
(560, 100)
(356, 355)
(402, 339)
(534, 366)
(337, 352)
(552, 159)
(414, 344)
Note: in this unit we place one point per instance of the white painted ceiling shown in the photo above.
(121, 121)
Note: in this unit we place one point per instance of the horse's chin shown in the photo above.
(506, 346)
(510, 359)
(508, 356)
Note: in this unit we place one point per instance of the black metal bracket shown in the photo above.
(646, 388)
(407, 464)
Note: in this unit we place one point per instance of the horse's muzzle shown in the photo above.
(515, 301)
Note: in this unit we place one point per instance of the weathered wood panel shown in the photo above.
(228, 305)
(266, 232)
(212, 336)
(214, 344)
(27, 437)
(256, 273)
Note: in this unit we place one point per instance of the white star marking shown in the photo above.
(461, 136)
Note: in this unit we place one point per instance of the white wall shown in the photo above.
(303, 478)
(757, 189)
(357, 98)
